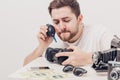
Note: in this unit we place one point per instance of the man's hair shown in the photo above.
(73, 4)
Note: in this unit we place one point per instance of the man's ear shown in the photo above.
(80, 18)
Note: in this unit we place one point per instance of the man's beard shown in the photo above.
(66, 35)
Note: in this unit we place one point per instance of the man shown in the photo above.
(82, 39)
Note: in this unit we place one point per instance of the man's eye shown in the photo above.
(56, 22)
(66, 20)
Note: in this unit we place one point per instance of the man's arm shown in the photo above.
(89, 58)
(36, 53)
(44, 41)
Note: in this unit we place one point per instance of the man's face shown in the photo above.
(65, 23)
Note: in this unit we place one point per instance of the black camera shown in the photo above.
(50, 54)
(113, 70)
(101, 58)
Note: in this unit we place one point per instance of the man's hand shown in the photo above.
(43, 39)
(77, 57)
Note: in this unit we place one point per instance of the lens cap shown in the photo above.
(68, 68)
(79, 71)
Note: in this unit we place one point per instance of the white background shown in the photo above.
(20, 21)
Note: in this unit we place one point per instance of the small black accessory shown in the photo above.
(77, 71)
(51, 30)
(68, 68)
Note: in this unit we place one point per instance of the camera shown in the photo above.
(50, 54)
(101, 58)
(113, 70)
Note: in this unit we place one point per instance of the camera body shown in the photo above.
(50, 55)
(101, 58)
(113, 70)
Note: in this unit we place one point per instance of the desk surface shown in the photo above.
(91, 73)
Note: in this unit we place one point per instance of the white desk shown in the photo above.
(91, 73)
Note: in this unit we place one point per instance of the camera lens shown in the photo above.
(79, 71)
(68, 68)
(115, 74)
(51, 52)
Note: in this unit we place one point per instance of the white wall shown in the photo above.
(20, 21)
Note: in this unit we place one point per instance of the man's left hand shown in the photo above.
(77, 57)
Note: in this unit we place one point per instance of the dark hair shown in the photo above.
(73, 4)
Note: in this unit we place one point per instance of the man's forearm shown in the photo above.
(89, 58)
(36, 53)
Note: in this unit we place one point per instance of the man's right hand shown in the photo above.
(43, 39)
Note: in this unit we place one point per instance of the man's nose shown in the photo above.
(62, 26)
